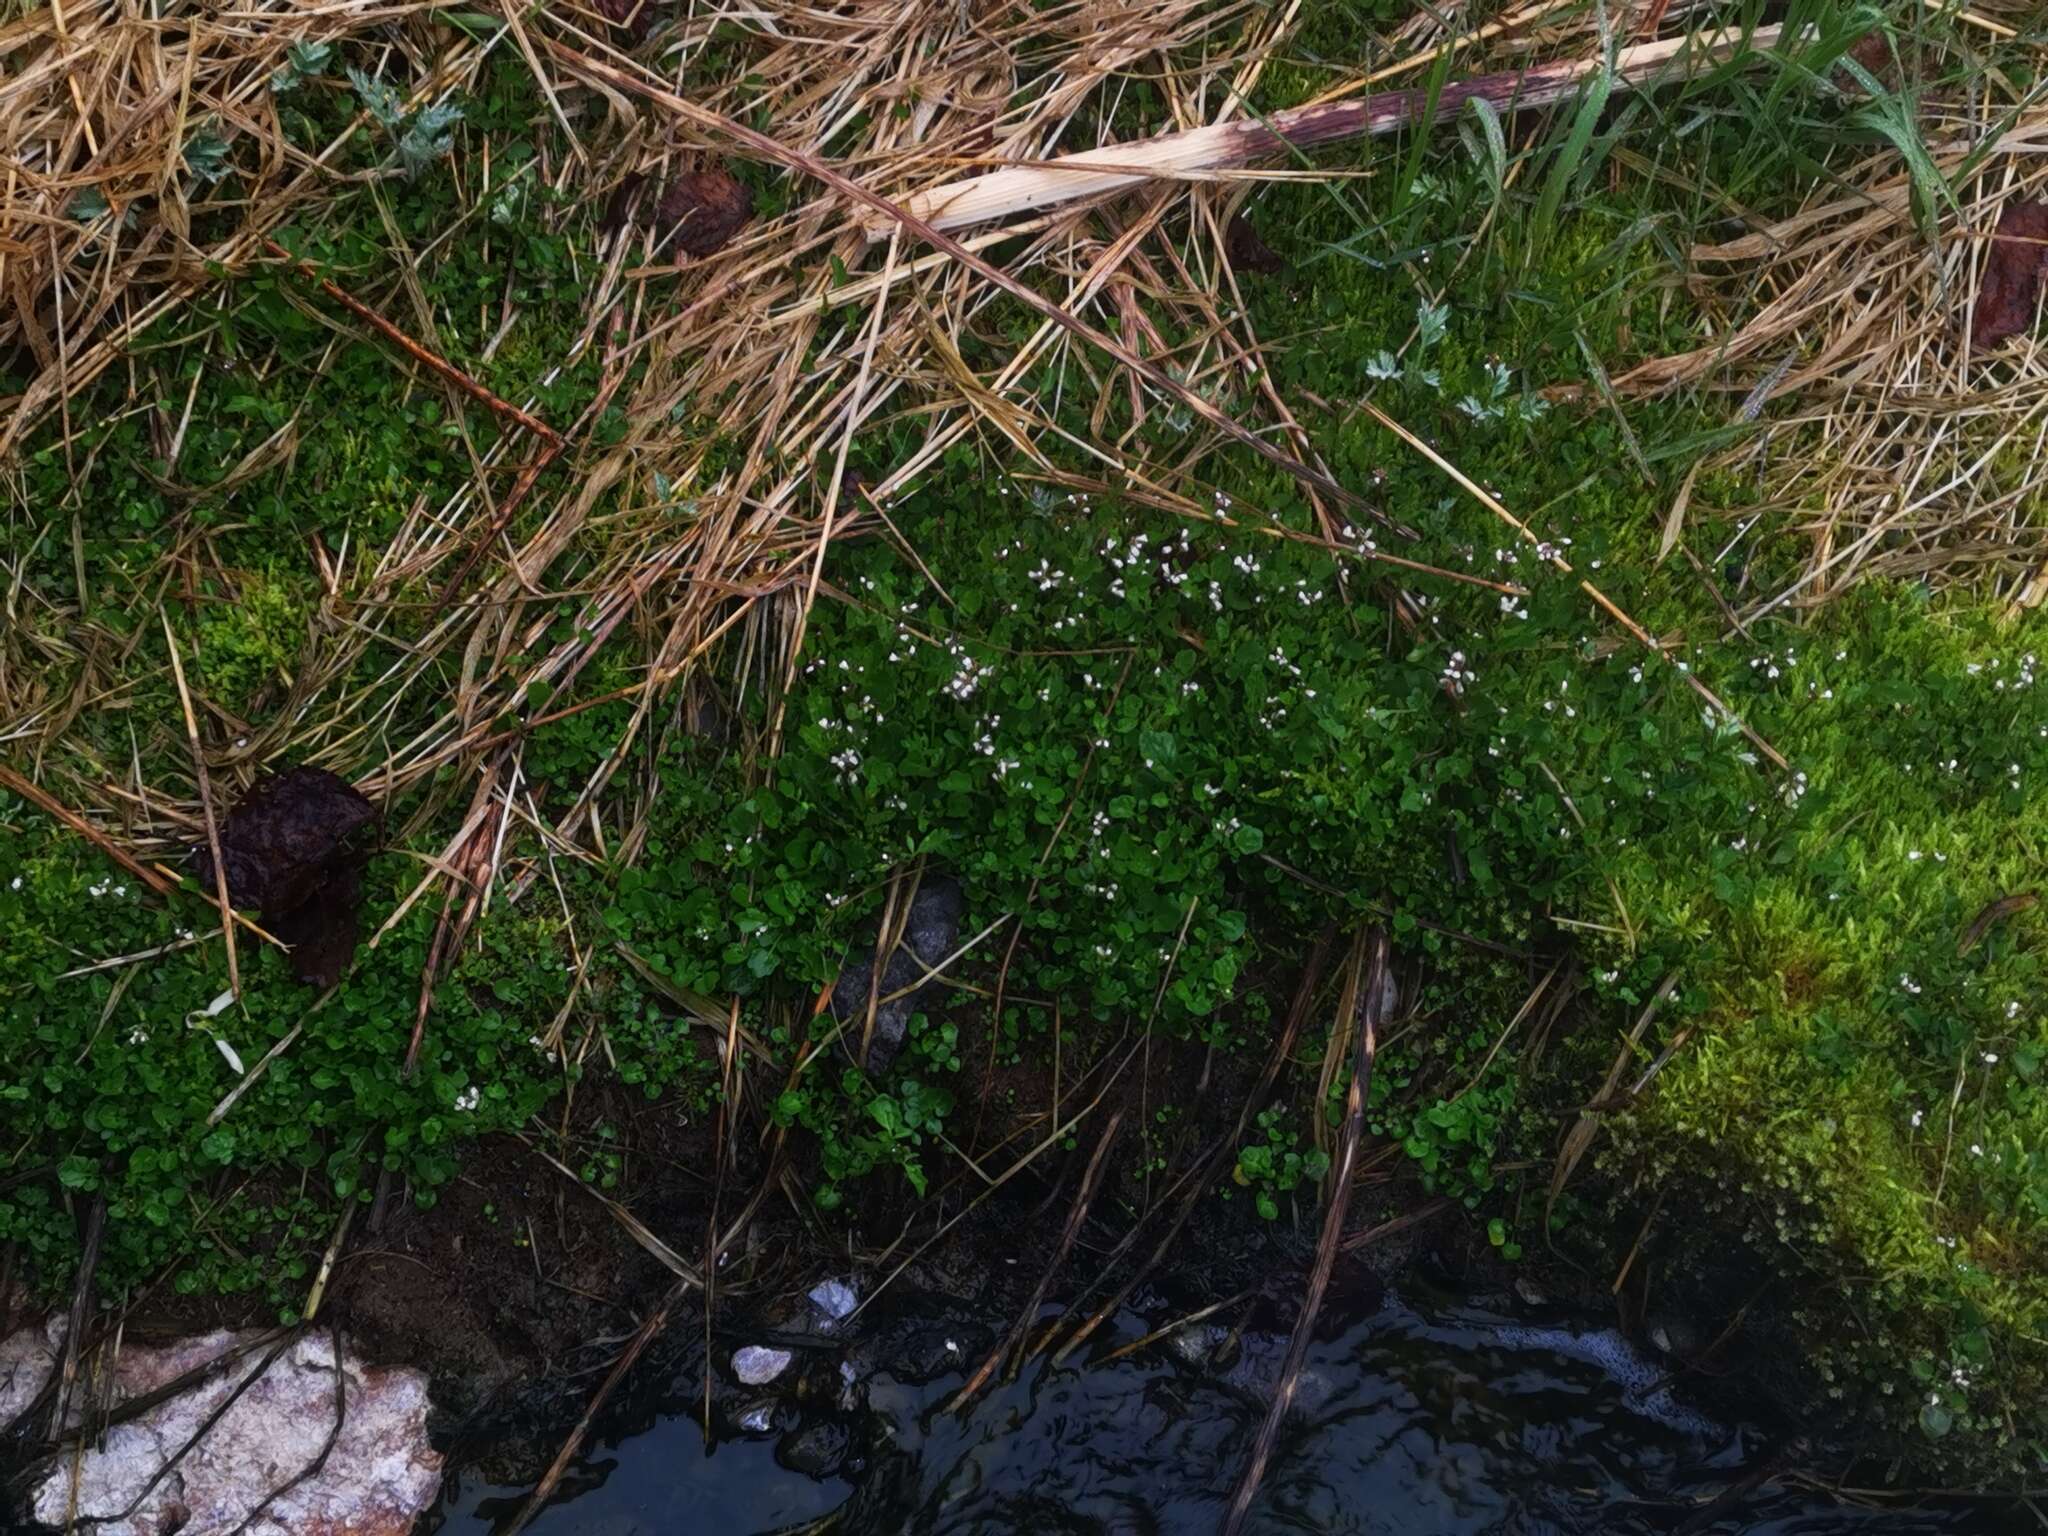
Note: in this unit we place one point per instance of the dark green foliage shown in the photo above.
(116, 1075)
(1272, 1165)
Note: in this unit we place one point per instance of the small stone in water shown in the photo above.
(757, 1365)
(1197, 1345)
(816, 1451)
(834, 1298)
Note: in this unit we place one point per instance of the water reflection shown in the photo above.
(1411, 1420)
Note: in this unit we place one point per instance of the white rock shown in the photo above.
(1197, 1343)
(834, 1299)
(379, 1475)
(757, 1365)
(27, 1357)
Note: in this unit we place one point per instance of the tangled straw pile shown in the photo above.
(114, 127)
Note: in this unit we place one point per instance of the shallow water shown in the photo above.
(1430, 1418)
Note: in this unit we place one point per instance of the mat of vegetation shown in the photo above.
(1742, 919)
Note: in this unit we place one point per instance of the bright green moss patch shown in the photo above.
(250, 640)
(1864, 1080)
(1844, 1081)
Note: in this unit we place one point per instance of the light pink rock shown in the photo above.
(27, 1356)
(380, 1475)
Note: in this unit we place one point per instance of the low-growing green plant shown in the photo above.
(934, 1045)
(1453, 1140)
(250, 640)
(124, 1075)
(1275, 1163)
(860, 1127)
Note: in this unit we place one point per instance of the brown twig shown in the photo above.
(1210, 1159)
(656, 1320)
(73, 1347)
(1333, 1231)
(643, 1336)
(418, 353)
(313, 1468)
(1012, 1342)
(471, 867)
(9, 779)
(516, 498)
(1581, 1135)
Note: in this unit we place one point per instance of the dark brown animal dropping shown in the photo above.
(706, 209)
(293, 851)
(1248, 252)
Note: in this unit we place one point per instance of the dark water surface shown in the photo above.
(1412, 1418)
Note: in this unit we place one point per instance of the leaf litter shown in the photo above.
(2009, 296)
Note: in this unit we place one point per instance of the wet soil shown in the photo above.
(519, 1286)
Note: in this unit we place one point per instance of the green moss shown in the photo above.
(1860, 1077)
(250, 640)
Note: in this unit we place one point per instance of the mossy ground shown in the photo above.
(1170, 751)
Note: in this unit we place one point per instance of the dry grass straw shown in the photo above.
(753, 344)
(789, 342)
(1900, 451)
(105, 228)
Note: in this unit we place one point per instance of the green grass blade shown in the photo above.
(1591, 105)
